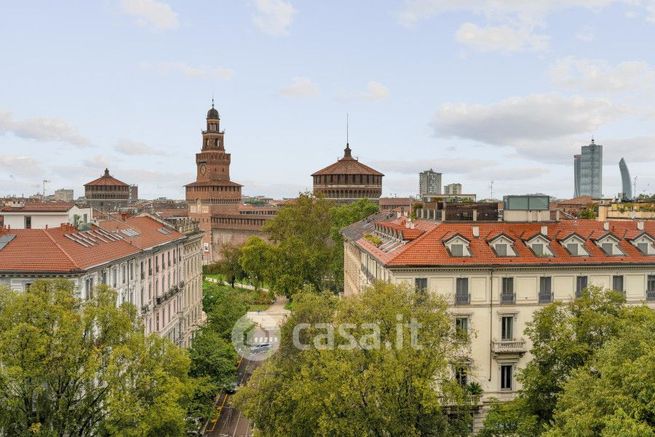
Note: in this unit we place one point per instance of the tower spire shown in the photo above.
(347, 133)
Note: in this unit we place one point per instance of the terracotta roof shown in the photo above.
(106, 180)
(40, 207)
(59, 250)
(347, 165)
(429, 249)
(149, 232)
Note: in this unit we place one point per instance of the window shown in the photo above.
(506, 376)
(114, 277)
(538, 249)
(501, 249)
(650, 291)
(643, 247)
(617, 283)
(461, 375)
(88, 286)
(507, 328)
(28, 222)
(457, 249)
(462, 291)
(123, 273)
(507, 293)
(608, 248)
(572, 248)
(545, 290)
(421, 284)
(580, 285)
(462, 327)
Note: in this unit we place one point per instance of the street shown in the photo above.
(228, 421)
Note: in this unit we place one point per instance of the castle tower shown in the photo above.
(212, 193)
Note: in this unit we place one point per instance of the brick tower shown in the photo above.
(213, 193)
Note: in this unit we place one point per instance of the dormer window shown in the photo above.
(610, 245)
(645, 244)
(503, 246)
(458, 246)
(540, 246)
(575, 245)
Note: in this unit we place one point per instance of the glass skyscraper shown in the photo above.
(588, 171)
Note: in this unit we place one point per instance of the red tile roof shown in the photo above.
(347, 165)
(67, 250)
(106, 180)
(39, 207)
(150, 232)
(53, 251)
(429, 249)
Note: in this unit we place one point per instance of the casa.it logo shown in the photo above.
(256, 336)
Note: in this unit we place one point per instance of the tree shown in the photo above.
(393, 389)
(229, 265)
(564, 337)
(223, 306)
(85, 368)
(213, 357)
(614, 394)
(256, 258)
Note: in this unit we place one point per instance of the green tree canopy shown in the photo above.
(391, 390)
(85, 368)
(256, 259)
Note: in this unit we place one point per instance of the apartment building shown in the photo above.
(147, 262)
(497, 274)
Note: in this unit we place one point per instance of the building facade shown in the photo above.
(429, 183)
(107, 193)
(214, 200)
(142, 258)
(588, 171)
(42, 215)
(452, 189)
(626, 181)
(496, 275)
(348, 180)
(64, 195)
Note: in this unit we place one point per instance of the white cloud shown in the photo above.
(600, 77)
(502, 38)
(134, 148)
(375, 91)
(447, 165)
(274, 16)
(586, 34)
(195, 72)
(19, 165)
(151, 13)
(300, 87)
(41, 129)
(534, 117)
(524, 10)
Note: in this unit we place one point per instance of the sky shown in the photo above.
(504, 91)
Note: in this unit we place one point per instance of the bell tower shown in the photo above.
(212, 163)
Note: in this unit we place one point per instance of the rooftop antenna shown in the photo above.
(491, 190)
(347, 133)
(45, 181)
(634, 187)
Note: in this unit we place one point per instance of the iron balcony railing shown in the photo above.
(507, 298)
(545, 297)
(462, 298)
(650, 295)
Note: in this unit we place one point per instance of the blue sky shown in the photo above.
(504, 90)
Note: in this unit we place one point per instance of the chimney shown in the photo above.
(544, 231)
(640, 225)
(606, 226)
(476, 231)
(123, 216)
(475, 215)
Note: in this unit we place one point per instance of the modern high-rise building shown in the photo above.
(429, 183)
(588, 171)
(452, 189)
(626, 186)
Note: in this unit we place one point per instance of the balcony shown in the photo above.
(145, 309)
(507, 298)
(508, 347)
(545, 297)
(650, 294)
(462, 298)
(170, 293)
